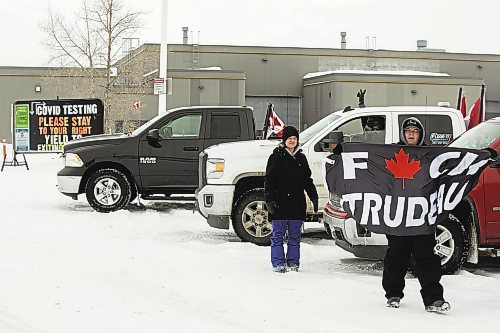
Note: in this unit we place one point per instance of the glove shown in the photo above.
(315, 205)
(271, 207)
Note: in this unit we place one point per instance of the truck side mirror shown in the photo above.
(335, 138)
(153, 135)
(154, 138)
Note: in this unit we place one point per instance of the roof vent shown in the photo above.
(421, 44)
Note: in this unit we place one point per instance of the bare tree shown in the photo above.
(89, 46)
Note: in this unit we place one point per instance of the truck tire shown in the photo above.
(108, 190)
(250, 221)
(133, 192)
(328, 230)
(452, 244)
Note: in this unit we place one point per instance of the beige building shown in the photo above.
(255, 76)
(326, 92)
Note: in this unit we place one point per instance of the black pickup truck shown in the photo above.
(156, 161)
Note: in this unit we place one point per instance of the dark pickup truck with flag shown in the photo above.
(157, 161)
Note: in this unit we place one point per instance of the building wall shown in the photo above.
(205, 87)
(284, 68)
(329, 93)
(266, 72)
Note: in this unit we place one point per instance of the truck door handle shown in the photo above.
(191, 148)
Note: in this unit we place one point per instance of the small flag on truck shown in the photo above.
(272, 123)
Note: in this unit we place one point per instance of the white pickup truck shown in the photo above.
(231, 184)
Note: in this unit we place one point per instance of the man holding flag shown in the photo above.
(420, 247)
(404, 191)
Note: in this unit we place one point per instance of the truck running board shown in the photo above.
(160, 197)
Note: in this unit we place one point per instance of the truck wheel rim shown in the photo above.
(255, 219)
(107, 191)
(445, 244)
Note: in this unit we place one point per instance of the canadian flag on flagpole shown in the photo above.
(476, 113)
(137, 105)
(463, 106)
(273, 122)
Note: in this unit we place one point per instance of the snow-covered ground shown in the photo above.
(66, 268)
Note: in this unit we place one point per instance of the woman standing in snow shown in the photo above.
(287, 176)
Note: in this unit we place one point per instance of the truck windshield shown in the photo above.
(478, 137)
(317, 127)
(141, 128)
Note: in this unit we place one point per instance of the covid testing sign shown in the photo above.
(46, 125)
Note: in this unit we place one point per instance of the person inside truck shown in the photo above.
(374, 129)
(421, 247)
(287, 176)
(374, 123)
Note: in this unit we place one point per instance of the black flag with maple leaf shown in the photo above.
(402, 190)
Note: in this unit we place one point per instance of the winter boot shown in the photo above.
(438, 306)
(293, 268)
(393, 302)
(280, 269)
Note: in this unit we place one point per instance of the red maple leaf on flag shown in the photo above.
(400, 168)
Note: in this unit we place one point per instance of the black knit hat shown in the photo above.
(290, 131)
(413, 122)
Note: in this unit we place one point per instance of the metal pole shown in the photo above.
(162, 98)
(482, 113)
(459, 102)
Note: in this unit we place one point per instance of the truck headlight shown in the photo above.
(72, 160)
(215, 167)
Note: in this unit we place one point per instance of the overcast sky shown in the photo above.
(470, 26)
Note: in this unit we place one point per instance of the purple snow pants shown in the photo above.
(292, 258)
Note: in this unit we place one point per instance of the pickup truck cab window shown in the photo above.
(364, 129)
(225, 126)
(146, 125)
(184, 127)
(438, 128)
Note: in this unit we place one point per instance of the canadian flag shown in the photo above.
(274, 123)
(137, 105)
(463, 106)
(474, 115)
